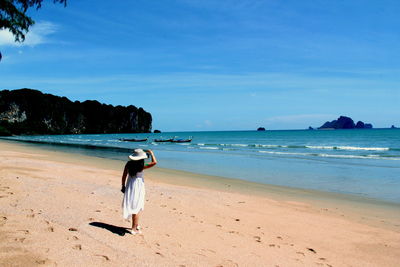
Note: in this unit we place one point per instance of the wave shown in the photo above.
(352, 148)
(290, 150)
(385, 157)
(209, 147)
(285, 153)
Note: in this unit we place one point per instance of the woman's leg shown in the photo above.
(135, 221)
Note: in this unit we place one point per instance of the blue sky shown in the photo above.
(217, 65)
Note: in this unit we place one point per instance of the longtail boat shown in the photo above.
(133, 140)
(163, 140)
(181, 140)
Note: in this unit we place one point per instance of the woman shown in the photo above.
(134, 191)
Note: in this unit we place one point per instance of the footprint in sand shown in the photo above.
(273, 245)
(257, 238)
(104, 257)
(159, 253)
(301, 253)
(50, 229)
(312, 250)
(77, 247)
(24, 231)
(3, 221)
(72, 229)
(22, 239)
(41, 261)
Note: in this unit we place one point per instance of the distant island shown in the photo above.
(28, 111)
(344, 122)
(261, 129)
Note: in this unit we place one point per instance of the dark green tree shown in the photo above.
(13, 16)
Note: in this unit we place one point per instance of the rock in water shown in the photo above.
(344, 122)
(360, 125)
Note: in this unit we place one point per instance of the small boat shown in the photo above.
(133, 140)
(163, 140)
(181, 140)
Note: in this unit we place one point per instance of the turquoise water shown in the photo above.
(356, 162)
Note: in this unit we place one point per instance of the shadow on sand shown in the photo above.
(112, 228)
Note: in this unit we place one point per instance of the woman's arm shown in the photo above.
(123, 180)
(153, 160)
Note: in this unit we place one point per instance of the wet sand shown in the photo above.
(65, 209)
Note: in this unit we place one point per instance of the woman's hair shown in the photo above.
(135, 166)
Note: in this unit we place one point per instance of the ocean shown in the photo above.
(357, 162)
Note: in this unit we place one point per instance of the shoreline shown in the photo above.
(359, 208)
(64, 209)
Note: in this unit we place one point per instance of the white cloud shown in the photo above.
(38, 34)
(6, 38)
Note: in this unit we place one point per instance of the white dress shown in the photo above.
(133, 201)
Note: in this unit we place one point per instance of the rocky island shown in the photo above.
(27, 111)
(344, 122)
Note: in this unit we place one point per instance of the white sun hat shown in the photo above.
(138, 154)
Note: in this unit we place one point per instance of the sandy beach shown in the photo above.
(59, 209)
